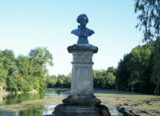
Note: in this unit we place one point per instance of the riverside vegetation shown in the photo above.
(138, 71)
(24, 73)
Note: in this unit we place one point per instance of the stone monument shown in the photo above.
(81, 101)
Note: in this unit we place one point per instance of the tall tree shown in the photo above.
(40, 58)
(139, 65)
(149, 18)
(156, 67)
(123, 74)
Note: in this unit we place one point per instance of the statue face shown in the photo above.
(83, 22)
(82, 19)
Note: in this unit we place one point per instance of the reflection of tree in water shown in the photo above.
(2, 115)
(13, 99)
(60, 92)
(36, 110)
(8, 113)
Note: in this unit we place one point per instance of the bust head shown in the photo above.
(82, 19)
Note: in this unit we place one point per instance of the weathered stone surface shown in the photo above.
(71, 110)
(81, 100)
(82, 73)
(83, 48)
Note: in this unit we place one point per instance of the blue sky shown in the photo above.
(27, 24)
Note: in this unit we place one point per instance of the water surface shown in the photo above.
(40, 110)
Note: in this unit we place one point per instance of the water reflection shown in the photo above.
(15, 98)
(7, 113)
(56, 92)
(36, 110)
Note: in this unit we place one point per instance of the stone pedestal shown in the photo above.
(81, 101)
(71, 110)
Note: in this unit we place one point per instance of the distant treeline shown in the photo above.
(138, 71)
(24, 73)
(102, 80)
(60, 81)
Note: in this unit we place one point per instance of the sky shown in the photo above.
(27, 24)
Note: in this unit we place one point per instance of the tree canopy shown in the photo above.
(149, 18)
(139, 70)
(24, 73)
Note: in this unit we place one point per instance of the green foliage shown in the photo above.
(139, 70)
(60, 81)
(156, 67)
(149, 18)
(24, 73)
(104, 79)
(7, 67)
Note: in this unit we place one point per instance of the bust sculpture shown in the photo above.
(82, 32)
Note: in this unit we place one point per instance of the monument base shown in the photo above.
(89, 100)
(71, 110)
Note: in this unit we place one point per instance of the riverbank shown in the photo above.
(133, 104)
(4, 93)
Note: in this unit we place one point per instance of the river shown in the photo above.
(35, 110)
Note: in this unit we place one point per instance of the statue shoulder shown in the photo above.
(89, 32)
(84, 32)
(75, 32)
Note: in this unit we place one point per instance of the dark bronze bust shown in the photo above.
(82, 32)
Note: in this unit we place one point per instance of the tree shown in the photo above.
(149, 18)
(24, 73)
(51, 81)
(139, 65)
(149, 22)
(123, 74)
(156, 67)
(104, 79)
(40, 58)
(7, 67)
(24, 66)
(3, 75)
(112, 70)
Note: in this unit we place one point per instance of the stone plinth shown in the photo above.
(81, 101)
(82, 79)
(71, 110)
